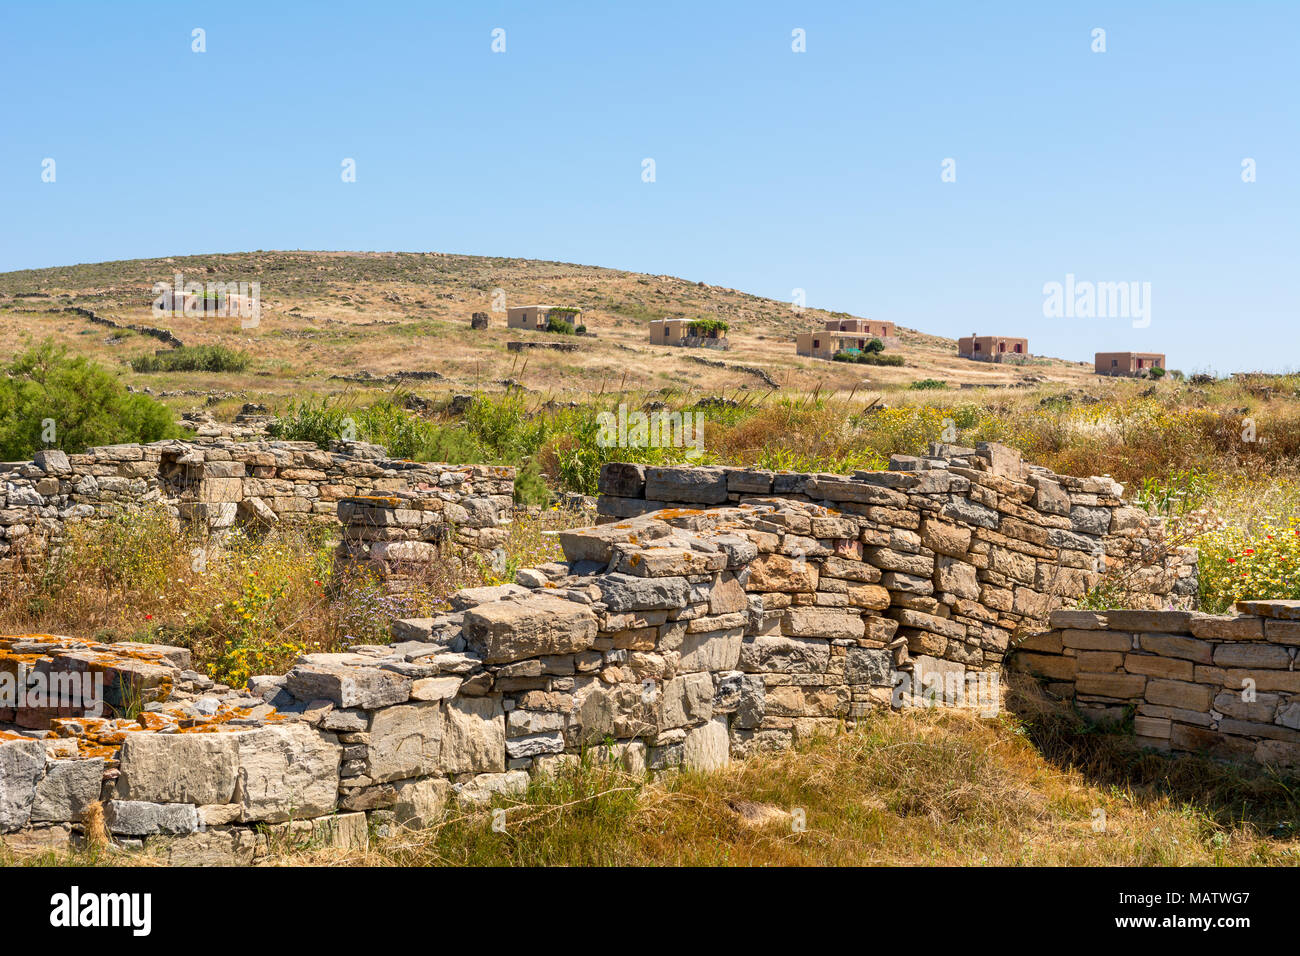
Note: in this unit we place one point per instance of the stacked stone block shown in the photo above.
(1228, 685)
(970, 542)
(702, 632)
(221, 483)
(399, 535)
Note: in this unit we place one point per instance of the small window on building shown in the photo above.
(1019, 348)
(1002, 346)
(817, 343)
(977, 346)
(1114, 363)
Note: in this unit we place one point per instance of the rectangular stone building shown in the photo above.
(1128, 363)
(992, 348)
(679, 332)
(536, 316)
(841, 334)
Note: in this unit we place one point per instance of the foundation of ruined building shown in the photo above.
(718, 613)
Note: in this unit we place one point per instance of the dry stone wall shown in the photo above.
(1228, 685)
(711, 629)
(217, 484)
(679, 640)
(973, 536)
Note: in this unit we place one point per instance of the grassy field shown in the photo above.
(336, 314)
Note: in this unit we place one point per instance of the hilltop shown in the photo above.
(331, 318)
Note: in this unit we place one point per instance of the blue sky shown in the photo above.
(774, 170)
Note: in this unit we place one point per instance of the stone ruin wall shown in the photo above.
(687, 637)
(217, 484)
(1227, 685)
(974, 537)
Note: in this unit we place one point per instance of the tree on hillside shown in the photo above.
(50, 398)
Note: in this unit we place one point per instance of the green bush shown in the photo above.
(556, 324)
(703, 328)
(870, 358)
(875, 345)
(928, 384)
(402, 434)
(84, 403)
(193, 358)
(859, 357)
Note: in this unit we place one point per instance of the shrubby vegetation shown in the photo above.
(703, 328)
(868, 357)
(46, 389)
(557, 446)
(192, 358)
(247, 607)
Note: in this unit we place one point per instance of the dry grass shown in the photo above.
(905, 789)
(247, 605)
(330, 314)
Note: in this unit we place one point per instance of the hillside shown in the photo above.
(329, 316)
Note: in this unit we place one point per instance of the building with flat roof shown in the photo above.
(876, 328)
(842, 334)
(690, 332)
(992, 348)
(1128, 363)
(537, 316)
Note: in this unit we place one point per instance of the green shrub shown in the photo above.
(859, 357)
(403, 434)
(193, 358)
(869, 358)
(703, 328)
(556, 324)
(928, 384)
(875, 345)
(84, 404)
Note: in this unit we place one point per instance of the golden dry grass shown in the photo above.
(916, 788)
(328, 314)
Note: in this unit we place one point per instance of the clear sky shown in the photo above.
(773, 170)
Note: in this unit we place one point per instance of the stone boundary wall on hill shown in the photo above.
(1222, 684)
(217, 484)
(974, 536)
